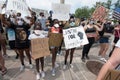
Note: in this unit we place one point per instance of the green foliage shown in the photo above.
(83, 12)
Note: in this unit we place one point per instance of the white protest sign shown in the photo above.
(60, 11)
(74, 37)
(18, 6)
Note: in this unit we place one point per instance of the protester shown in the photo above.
(112, 63)
(37, 34)
(70, 51)
(104, 42)
(92, 32)
(2, 62)
(41, 19)
(54, 29)
(21, 39)
(116, 37)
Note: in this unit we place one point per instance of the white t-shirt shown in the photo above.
(118, 44)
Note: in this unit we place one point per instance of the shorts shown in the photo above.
(116, 39)
(103, 40)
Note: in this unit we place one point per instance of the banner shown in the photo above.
(74, 37)
(61, 11)
(18, 6)
(55, 39)
(40, 47)
(100, 14)
(112, 75)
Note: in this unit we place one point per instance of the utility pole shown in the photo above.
(62, 1)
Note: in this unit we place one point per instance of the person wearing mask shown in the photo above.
(41, 19)
(21, 39)
(37, 34)
(54, 29)
(91, 31)
(70, 52)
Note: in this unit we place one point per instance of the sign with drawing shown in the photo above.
(18, 6)
(60, 11)
(74, 37)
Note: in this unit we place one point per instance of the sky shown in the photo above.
(46, 4)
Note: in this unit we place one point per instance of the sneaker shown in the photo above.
(71, 66)
(31, 66)
(22, 68)
(38, 76)
(42, 74)
(103, 59)
(83, 59)
(65, 66)
(53, 72)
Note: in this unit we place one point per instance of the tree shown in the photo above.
(83, 12)
(117, 4)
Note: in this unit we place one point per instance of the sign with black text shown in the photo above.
(74, 37)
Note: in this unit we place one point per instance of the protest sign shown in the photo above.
(74, 37)
(100, 13)
(60, 11)
(39, 47)
(18, 6)
(55, 39)
(112, 75)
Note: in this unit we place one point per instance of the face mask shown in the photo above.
(20, 22)
(56, 25)
(72, 24)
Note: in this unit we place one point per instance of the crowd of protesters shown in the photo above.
(21, 30)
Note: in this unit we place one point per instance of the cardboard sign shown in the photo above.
(100, 13)
(18, 6)
(112, 75)
(61, 11)
(40, 47)
(74, 37)
(55, 39)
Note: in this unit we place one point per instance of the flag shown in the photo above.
(116, 14)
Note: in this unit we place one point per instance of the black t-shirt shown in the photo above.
(21, 36)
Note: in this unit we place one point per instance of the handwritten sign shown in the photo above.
(74, 37)
(18, 6)
(55, 39)
(60, 11)
(40, 47)
(100, 13)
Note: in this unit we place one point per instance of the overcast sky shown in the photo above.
(46, 4)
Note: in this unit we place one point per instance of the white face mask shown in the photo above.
(20, 22)
(56, 25)
(72, 24)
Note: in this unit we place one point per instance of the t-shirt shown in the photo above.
(21, 36)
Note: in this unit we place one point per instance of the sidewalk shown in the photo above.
(78, 72)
